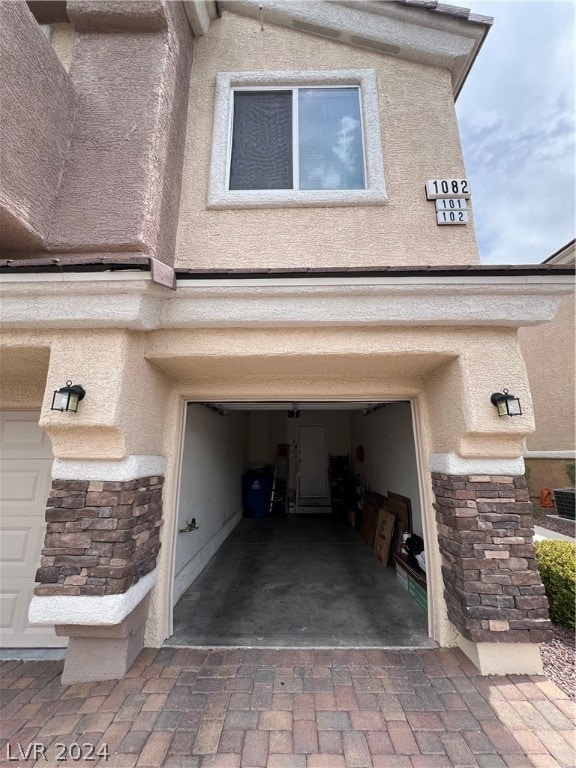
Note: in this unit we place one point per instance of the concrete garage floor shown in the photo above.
(297, 582)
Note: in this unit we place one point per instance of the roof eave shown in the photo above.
(426, 32)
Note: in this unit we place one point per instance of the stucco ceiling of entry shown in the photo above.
(18, 364)
(416, 366)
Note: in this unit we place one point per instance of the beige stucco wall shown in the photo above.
(420, 141)
(458, 369)
(123, 411)
(549, 352)
(546, 473)
(62, 42)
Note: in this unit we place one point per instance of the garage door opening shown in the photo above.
(291, 523)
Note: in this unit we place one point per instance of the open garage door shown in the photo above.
(276, 544)
(25, 478)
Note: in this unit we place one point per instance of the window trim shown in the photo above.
(219, 196)
(295, 106)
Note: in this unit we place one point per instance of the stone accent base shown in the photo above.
(101, 537)
(492, 586)
(100, 653)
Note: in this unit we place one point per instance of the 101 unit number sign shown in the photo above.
(447, 188)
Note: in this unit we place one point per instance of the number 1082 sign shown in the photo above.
(436, 188)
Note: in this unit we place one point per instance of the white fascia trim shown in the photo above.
(200, 14)
(374, 194)
(121, 276)
(543, 283)
(89, 610)
(35, 301)
(79, 301)
(452, 464)
(202, 307)
(568, 455)
(131, 468)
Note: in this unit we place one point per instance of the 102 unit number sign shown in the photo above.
(436, 188)
(451, 217)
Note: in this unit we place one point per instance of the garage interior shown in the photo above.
(291, 523)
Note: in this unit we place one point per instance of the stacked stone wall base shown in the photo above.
(97, 568)
(492, 586)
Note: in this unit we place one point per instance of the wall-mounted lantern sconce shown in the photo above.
(67, 398)
(507, 404)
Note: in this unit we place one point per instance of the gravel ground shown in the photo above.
(543, 518)
(559, 658)
(567, 527)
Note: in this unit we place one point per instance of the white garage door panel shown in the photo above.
(14, 544)
(24, 487)
(24, 483)
(28, 541)
(15, 630)
(8, 602)
(21, 437)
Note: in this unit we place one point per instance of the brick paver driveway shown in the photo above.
(187, 708)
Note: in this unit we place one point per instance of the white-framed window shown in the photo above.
(296, 139)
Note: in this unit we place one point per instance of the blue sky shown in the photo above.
(516, 116)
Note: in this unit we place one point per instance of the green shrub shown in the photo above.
(570, 469)
(557, 567)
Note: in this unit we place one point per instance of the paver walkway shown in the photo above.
(190, 708)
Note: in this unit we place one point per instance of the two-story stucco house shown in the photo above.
(222, 205)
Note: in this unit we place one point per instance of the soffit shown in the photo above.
(24, 363)
(428, 32)
(195, 367)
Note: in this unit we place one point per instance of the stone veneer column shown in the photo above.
(101, 537)
(97, 569)
(492, 586)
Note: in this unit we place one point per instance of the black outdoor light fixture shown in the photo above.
(67, 398)
(507, 404)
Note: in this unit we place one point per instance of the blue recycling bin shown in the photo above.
(256, 489)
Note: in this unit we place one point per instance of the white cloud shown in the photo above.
(347, 130)
(516, 116)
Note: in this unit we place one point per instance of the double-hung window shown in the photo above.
(305, 138)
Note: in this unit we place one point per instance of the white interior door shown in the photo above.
(312, 461)
(25, 477)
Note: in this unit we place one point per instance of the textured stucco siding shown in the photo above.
(38, 104)
(121, 184)
(123, 412)
(420, 141)
(548, 351)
